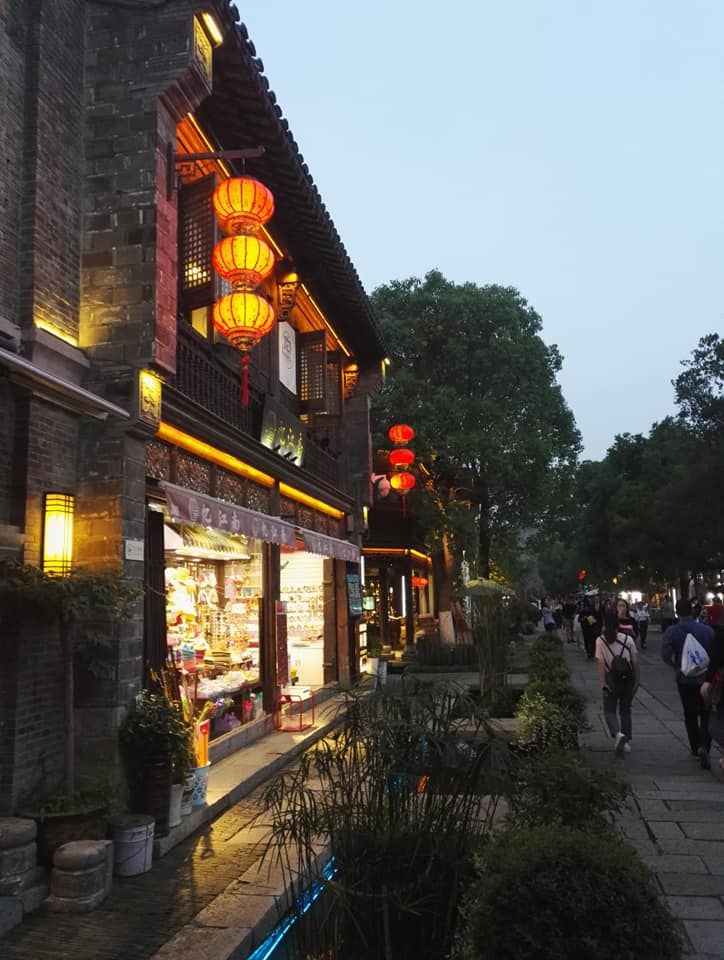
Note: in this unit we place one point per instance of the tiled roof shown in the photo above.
(242, 112)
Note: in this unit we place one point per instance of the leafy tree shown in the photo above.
(471, 373)
(700, 388)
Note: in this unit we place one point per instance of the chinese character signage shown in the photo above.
(282, 432)
(288, 356)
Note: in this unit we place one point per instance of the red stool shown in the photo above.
(291, 719)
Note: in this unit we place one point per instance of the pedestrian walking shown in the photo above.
(640, 613)
(618, 673)
(591, 623)
(626, 623)
(696, 710)
(667, 614)
(570, 609)
(549, 622)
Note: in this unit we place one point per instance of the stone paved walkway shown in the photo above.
(143, 913)
(676, 818)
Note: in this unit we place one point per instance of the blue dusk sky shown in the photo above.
(574, 150)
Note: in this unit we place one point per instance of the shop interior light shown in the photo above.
(403, 594)
(58, 534)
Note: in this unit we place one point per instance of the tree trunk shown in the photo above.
(444, 570)
(484, 533)
(66, 640)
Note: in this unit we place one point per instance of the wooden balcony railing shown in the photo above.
(206, 378)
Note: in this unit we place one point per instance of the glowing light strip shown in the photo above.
(184, 440)
(293, 494)
(213, 29)
(56, 331)
(304, 903)
(397, 552)
(324, 320)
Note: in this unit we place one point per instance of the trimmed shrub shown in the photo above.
(559, 788)
(553, 893)
(542, 724)
(564, 695)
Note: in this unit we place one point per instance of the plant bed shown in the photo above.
(61, 819)
(554, 893)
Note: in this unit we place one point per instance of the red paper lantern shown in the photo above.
(243, 260)
(419, 582)
(400, 434)
(242, 205)
(402, 483)
(401, 459)
(243, 318)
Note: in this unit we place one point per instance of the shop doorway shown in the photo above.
(302, 590)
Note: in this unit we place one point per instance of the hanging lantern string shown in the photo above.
(245, 379)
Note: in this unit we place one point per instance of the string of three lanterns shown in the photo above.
(401, 459)
(242, 206)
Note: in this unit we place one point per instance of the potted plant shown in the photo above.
(156, 742)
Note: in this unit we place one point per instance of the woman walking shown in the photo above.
(618, 673)
(626, 623)
(591, 622)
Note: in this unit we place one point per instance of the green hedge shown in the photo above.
(558, 787)
(555, 893)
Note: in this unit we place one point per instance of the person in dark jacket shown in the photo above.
(696, 712)
(591, 621)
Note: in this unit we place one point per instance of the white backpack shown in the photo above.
(694, 658)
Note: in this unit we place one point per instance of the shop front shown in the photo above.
(249, 605)
(398, 599)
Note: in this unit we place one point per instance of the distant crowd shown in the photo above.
(613, 633)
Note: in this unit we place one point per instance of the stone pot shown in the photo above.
(56, 829)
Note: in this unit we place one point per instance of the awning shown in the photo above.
(187, 506)
(330, 547)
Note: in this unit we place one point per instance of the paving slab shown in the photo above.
(692, 884)
(696, 908)
(676, 863)
(706, 936)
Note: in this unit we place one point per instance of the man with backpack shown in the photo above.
(687, 646)
(618, 673)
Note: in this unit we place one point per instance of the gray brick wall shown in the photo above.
(12, 111)
(52, 163)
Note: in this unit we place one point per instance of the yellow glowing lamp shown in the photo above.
(242, 205)
(58, 534)
(245, 261)
(243, 318)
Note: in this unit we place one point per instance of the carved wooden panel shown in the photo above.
(193, 473)
(158, 460)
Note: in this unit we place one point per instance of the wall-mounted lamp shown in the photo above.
(288, 286)
(58, 534)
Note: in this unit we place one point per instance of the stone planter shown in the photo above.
(56, 829)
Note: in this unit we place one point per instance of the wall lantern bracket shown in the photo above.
(177, 162)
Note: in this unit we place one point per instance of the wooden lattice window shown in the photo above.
(333, 398)
(197, 236)
(312, 370)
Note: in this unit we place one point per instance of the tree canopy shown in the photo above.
(471, 373)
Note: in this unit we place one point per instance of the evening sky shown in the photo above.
(571, 149)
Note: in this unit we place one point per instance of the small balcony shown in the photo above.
(211, 379)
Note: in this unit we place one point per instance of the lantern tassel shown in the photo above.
(245, 379)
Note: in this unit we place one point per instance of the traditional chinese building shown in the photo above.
(128, 438)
